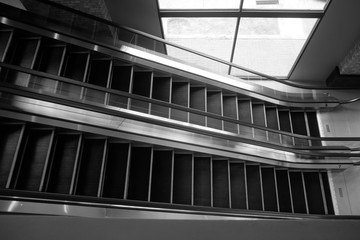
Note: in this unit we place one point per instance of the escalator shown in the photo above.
(82, 147)
(42, 161)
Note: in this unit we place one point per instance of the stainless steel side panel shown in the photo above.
(98, 210)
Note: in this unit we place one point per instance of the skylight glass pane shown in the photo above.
(212, 36)
(199, 4)
(285, 4)
(271, 45)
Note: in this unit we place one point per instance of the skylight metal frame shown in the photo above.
(248, 13)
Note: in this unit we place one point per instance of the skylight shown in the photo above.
(213, 36)
(199, 4)
(285, 4)
(265, 36)
(271, 45)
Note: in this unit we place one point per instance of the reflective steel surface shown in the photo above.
(33, 205)
(44, 112)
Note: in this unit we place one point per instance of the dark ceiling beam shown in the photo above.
(244, 13)
(199, 13)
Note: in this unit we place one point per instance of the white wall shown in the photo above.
(344, 121)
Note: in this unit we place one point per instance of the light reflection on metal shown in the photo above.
(13, 206)
(66, 209)
(104, 210)
(56, 36)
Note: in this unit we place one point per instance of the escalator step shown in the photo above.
(115, 173)
(141, 86)
(285, 125)
(221, 183)
(161, 176)
(197, 101)
(282, 179)
(313, 193)
(32, 165)
(121, 78)
(63, 164)
(313, 127)
(5, 36)
(273, 123)
(254, 187)
(214, 105)
(329, 204)
(238, 186)
(299, 127)
(259, 119)
(230, 110)
(9, 141)
(202, 181)
(180, 96)
(245, 115)
(98, 75)
(161, 91)
(297, 190)
(90, 167)
(183, 179)
(139, 175)
(22, 53)
(269, 189)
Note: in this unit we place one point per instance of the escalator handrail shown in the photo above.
(314, 150)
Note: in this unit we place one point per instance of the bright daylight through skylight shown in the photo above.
(267, 41)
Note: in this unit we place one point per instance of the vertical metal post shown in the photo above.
(305, 195)
(108, 83)
(131, 83)
(170, 96)
(82, 92)
(237, 113)
(127, 172)
(150, 173)
(7, 45)
(291, 127)
(76, 165)
(323, 194)
(229, 183)
(246, 187)
(211, 182)
(103, 169)
(265, 121)
(222, 110)
(262, 189)
(47, 160)
(192, 179)
(290, 191)
(307, 128)
(172, 177)
(277, 191)
(151, 91)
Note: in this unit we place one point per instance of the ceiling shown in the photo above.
(335, 35)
